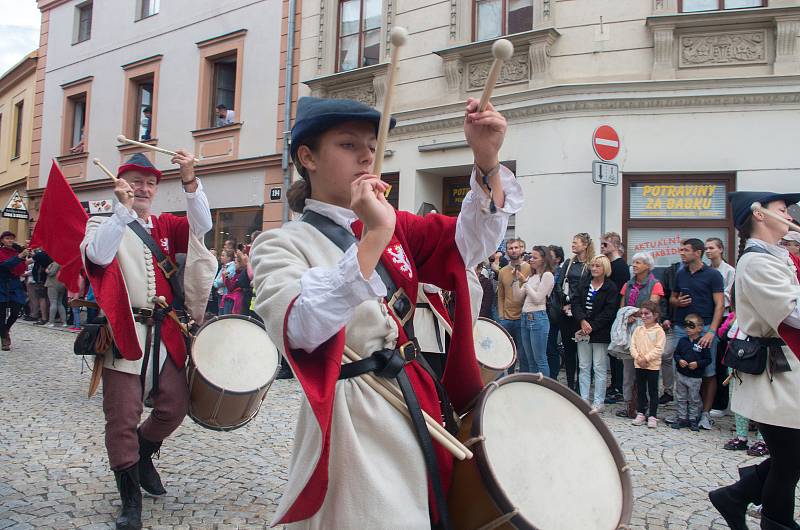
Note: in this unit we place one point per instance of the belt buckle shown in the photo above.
(173, 268)
(400, 296)
(407, 355)
(145, 312)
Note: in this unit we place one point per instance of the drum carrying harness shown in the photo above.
(154, 318)
(390, 363)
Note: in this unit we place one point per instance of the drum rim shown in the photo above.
(510, 339)
(488, 475)
(192, 366)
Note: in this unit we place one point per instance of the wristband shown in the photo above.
(184, 184)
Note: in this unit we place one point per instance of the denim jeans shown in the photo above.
(513, 328)
(553, 355)
(591, 355)
(535, 329)
(711, 369)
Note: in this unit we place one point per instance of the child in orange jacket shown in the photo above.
(647, 346)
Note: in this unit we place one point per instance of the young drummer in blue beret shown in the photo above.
(347, 274)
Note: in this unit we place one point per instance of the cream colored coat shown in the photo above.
(767, 291)
(363, 492)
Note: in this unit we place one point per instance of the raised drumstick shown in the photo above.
(105, 170)
(123, 140)
(502, 50)
(757, 207)
(398, 37)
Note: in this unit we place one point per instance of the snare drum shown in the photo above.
(231, 366)
(494, 349)
(542, 461)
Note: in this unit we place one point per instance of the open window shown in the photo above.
(221, 80)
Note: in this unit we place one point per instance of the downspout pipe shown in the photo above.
(287, 108)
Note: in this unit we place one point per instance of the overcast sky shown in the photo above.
(19, 27)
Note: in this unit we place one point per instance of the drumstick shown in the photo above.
(390, 393)
(502, 50)
(105, 170)
(121, 139)
(398, 37)
(756, 207)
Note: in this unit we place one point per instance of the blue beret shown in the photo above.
(741, 202)
(317, 115)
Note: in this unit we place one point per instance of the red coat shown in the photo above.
(172, 234)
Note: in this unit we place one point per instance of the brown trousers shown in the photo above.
(122, 405)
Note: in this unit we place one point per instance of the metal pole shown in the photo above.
(287, 108)
(602, 209)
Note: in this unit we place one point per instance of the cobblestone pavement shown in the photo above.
(54, 472)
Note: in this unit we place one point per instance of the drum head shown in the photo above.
(234, 353)
(494, 347)
(547, 457)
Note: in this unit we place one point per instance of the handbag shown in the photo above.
(95, 338)
(748, 356)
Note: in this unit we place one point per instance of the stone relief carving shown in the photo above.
(514, 70)
(364, 93)
(745, 47)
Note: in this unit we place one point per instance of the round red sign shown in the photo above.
(605, 142)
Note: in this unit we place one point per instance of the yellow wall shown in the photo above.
(18, 84)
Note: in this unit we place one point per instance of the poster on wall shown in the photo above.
(15, 209)
(664, 244)
(678, 201)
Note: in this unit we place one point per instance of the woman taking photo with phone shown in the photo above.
(535, 323)
(767, 391)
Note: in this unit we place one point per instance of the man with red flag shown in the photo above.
(130, 261)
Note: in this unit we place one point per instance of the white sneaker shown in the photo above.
(705, 421)
(598, 408)
(49, 325)
(652, 422)
(716, 413)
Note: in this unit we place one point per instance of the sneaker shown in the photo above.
(705, 421)
(74, 328)
(678, 423)
(622, 413)
(28, 318)
(49, 325)
(598, 408)
(665, 398)
(758, 449)
(639, 420)
(652, 422)
(673, 419)
(694, 426)
(735, 444)
(40, 323)
(716, 413)
(611, 400)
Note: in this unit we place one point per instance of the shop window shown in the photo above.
(693, 6)
(83, 22)
(146, 8)
(661, 211)
(359, 40)
(393, 180)
(454, 190)
(17, 147)
(236, 224)
(494, 18)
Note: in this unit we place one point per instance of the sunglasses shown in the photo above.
(689, 324)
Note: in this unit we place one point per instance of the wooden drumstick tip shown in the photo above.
(398, 36)
(502, 49)
(121, 139)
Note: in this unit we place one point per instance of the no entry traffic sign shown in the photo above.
(605, 142)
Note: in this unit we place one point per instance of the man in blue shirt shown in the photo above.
(699, 289)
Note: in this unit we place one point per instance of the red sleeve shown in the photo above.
(658, 289)
(624, 289)
(176, 228)
(432, 243)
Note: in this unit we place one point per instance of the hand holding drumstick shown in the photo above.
(122, 189)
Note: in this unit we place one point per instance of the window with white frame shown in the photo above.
(493, 18)
(693, 6)
(146, 8)
(359, 30)
(83, 22)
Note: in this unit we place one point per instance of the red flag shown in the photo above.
(61, 227)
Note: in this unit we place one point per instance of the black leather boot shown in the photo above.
(769, 524)
(151, 482)
(130, 516)
(732, 501)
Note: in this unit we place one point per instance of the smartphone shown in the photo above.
(685, 291)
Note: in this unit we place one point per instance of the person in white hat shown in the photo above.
(791, 241)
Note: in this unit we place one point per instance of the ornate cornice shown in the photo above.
(361, 84)
(717, 18)
(557, 101)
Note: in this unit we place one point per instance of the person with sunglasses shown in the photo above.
(691, 358)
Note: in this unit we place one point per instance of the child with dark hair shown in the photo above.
(690, 359)
(647, 346)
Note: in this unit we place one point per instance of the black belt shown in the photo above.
(153, 318)
(391, 365)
